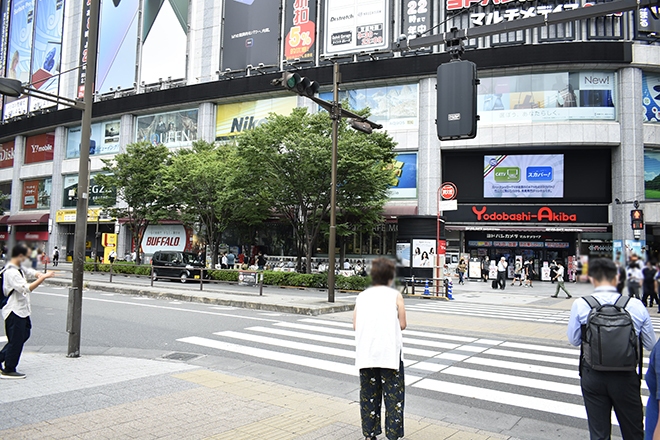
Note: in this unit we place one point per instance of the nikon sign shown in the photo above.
(233, 119)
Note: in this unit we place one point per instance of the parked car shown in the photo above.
(177, 265)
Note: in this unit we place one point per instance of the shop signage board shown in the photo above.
(233, 119)
(353, 26)
(246, 278)
(7, 154)
(300, 30)
(32, 236)
(69, 216)
(172, 129)
(529, 214)
(39, 148)
(165, 238)
(417, 16)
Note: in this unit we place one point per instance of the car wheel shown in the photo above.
(183, 277)
(154, 276)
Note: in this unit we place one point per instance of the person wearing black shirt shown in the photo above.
(648, 284)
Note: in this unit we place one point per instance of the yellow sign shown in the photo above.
(232, 119)
(69, 216)
(109, 240)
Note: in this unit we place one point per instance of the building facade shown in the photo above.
(568, 135)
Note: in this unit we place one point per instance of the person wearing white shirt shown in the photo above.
(604, 390)
(347, 265)
(501, 273)
(16, 313)
(378, 319)
(635, 277)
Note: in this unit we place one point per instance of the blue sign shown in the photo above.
(539, 174)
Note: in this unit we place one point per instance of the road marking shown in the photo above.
(532, 356)
(517, 366)
(154, 306)
(3, 338)
(569, 351)
(289, 344)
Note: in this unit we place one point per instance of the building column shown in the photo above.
(17, 185)
(628, 159)
(429, 174)
(57, 237)
(206, 122)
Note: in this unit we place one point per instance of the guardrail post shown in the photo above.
(111, 266)
(151, 276)
(413, 284)
(45, 265)
(261, 284)
(201, 279)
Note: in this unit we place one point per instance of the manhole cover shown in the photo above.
(176, 356)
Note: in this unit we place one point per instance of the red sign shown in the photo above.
(544, 214)
(32, 236)
(448, 191)
(300, 22)
(7, 155)
(442, 247)
(39, 148)
(30, 194)
(3, 236)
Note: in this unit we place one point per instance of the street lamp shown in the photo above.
(14, 88)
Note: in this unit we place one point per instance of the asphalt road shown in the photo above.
(520, 387)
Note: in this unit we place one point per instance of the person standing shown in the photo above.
(56, 256)
(378, 319)
(553, 271)
(112, 256)
(634, 276)
(485, 268)
(261, 261)
(517, 274)
(559, 278)
(501, 273)
(619, 389)
(652, 431)
(649, 285)
(462, 268)
(231, 260)
(529, 272)
(16, 313)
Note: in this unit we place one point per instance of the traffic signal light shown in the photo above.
(457, 100)
(299, 84)
(637, 218)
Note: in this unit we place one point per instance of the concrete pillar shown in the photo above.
(628, 159)
(429, 175)
(57, 237)
(206, 122)
(17, 184)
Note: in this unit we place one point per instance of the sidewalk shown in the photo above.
(104, 397)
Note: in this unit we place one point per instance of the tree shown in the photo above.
(137, 176)
(290, 156)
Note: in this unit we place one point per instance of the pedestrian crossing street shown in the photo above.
(541, 378)
(516, 313)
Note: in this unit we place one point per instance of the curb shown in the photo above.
(186, 297)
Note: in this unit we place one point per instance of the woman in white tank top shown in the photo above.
(378, 319)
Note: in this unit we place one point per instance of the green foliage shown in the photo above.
(224, 275)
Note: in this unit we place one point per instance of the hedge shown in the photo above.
(292, 279)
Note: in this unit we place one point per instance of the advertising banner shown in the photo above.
(403, 254)
(404, 185)
(232, 119)
(105, 140)
(423, 253)
(395, 107)
(19, 53)
(529, 215)
(524, 176)
(118, 35)
(251, 33)
(648, 23)
(36, 194)
(5, 11)
(7, 154)
(651, 97)
(84, 43)
(96, 192)
(173, 129)
(47, 50)
(651, 174)
(32, 235)
(39, 148)
(5, 188)
(546, 97)
(417, 17)
(356, 26)
(300, 30)
(164, 238)
(165, 25)
(69, 216)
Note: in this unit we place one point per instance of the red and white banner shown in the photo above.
(32, 236)
(165, 238)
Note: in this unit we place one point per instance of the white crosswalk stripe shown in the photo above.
(538, 377)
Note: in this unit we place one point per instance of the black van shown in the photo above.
(176, 265)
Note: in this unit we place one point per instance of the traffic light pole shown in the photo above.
(335, 114)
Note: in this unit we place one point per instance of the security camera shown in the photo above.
(403, 37)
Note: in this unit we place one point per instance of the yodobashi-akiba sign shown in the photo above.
(528, 214)
(165, 238)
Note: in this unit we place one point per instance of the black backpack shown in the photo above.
(609, 341)
(3, 298)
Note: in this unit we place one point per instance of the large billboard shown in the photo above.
(19, 53)
(232, 119)
(39, 148)
(7, 154)
(544, 97)
(416, 17)
(535, 176)
(5, 9)
(404, 184)
(352, 26)
(651, 174)
(36, 194)
(118, 35)
(104, 140)
(173, 129)
(47, 50)
(96, 192)
(395, 107)
(648, 23)
(651, 97)
(164, 25)
(251, 33)
(300, 30)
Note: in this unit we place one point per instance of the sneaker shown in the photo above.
(12, 375)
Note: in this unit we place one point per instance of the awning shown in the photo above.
(28, 218)
(393, 211)
(3, 219)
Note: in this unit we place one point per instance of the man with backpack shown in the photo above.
(609, 328)
(56, 256)
(16, 310)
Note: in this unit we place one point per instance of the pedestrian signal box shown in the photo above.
(457, 100)
(637, 218)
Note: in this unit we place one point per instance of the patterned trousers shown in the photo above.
(376, 385)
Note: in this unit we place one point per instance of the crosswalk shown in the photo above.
(494, 311)
(507, 374)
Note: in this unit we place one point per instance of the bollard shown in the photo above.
(201, 279)
(46, 265)
(426, 288)
(151, 277)
(450, 289)
(261, 284)
(413, 284)
(111, 267)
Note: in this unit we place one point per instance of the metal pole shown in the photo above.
(96, 242)
(335, 115)
(74, 313)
